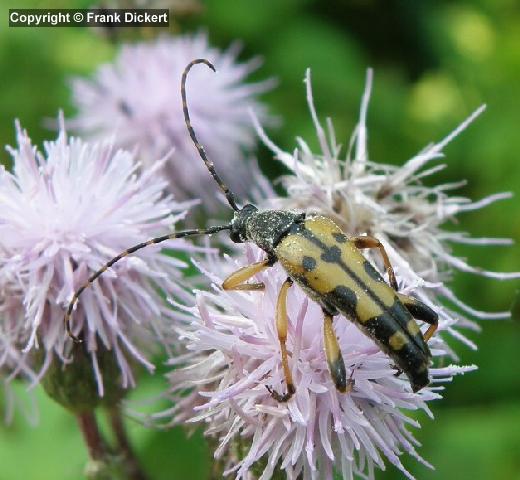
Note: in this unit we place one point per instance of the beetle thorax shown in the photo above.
(264, 228)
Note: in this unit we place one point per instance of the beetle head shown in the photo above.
(238, 224)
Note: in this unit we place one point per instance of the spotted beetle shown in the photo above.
(328, 266)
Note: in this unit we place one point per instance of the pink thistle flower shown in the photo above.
(233, 349)
(234, 353)
(138, 98)
(392, 204)
(63, 214)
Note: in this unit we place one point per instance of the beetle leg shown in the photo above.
(334, 357)
(366, 241)
(237, 280)
(422, 312)
(281, 327)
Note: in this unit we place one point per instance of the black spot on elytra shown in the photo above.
(308, 263)
(343, 299)
(340, 237)
(412, 359)
(331, 255)
(401, 314)
(380, 328)
(372, 272)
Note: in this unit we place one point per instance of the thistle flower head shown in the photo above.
(233, 348)
(139, 97)
(392, 204)
(63, 214)
(234, 354)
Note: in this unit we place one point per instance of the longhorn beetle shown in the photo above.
(328, 266)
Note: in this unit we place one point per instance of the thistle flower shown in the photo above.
(63, 214)
(233, 354)
(138, 97)
(392, 204)
(233, 349)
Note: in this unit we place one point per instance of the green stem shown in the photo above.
(89, 428)
(132, 466)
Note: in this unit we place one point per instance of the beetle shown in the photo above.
(330, 268)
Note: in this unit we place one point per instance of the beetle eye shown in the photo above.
(235, 237)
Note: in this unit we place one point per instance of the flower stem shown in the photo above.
(89, 427)
(132, 467)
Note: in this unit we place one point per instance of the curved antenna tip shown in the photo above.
(209, 165)
(205, 62)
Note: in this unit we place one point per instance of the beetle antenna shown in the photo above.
(139, 246)
(209, 164)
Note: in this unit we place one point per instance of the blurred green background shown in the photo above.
(435, 62)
